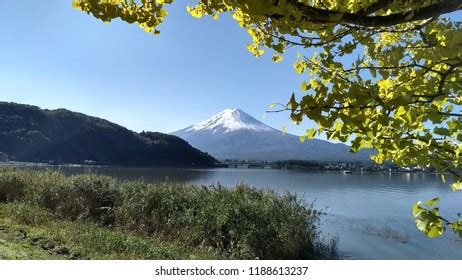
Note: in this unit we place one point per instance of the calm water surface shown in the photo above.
(369, 212)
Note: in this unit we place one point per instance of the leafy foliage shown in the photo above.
(28, 133)
(430, 222)
(240, 222)
(399, 96)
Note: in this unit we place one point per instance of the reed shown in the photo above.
(241, 222)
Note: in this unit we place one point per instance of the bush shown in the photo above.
(249, 223)
(82, 197)
(40, 234)
(90, 197)
(242, 222)
(12, 185)
(26, 214)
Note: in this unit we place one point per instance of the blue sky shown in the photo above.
(54, 56)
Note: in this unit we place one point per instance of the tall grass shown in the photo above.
(34, 233)
(242, 222)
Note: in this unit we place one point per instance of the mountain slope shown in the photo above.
(234, 134)
(28, 133)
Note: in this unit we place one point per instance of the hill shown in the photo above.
(28, 133)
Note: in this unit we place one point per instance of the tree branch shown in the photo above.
(450, 114)
(319, 15)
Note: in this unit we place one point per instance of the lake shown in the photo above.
(369, 212)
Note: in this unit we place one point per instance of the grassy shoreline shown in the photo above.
(98, 217)
(28, 232)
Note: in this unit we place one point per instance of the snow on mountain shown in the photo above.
(230, 120)
(234, 134)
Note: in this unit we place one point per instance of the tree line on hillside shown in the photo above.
(28, 133)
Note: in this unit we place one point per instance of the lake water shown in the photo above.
(369, 212)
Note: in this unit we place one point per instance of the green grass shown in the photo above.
(97, 217)
(28, 232)
(14, 248)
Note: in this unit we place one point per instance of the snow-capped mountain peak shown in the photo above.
(230, 120)
(234, 134)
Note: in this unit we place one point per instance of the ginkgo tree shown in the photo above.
(401, 95)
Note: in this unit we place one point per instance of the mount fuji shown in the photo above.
(234, 134)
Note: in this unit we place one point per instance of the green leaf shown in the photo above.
(416, 209)
(304, 87)
(293, 104)
(456, 186)
(432, 202)
(277, 58)
(442, 131)
(457, 228)
(435, 231)
(310, 133)
(373, 72)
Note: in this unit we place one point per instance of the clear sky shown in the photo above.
(54, 56)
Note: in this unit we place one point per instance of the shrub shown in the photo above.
(82, 197)
(26, 214)
(46, 189)
(247, 222)
(241, 221)
(12, 185)
(91, 197)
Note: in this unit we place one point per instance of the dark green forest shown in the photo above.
(28, 133)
